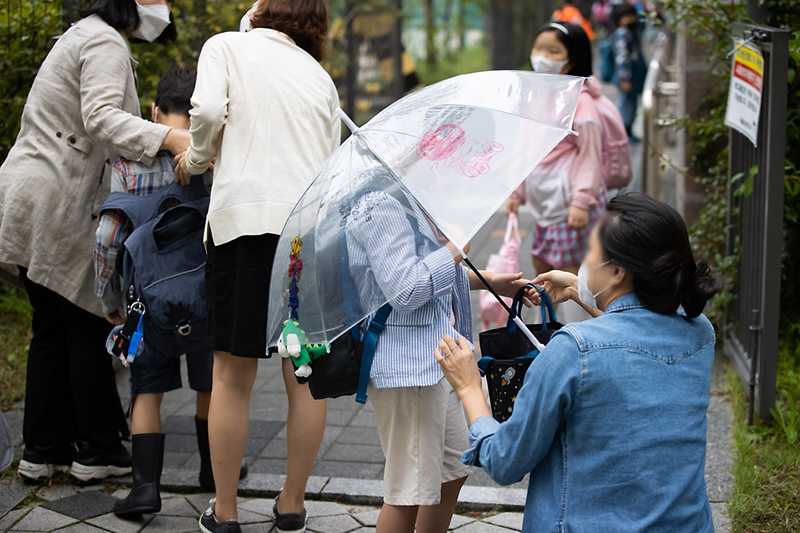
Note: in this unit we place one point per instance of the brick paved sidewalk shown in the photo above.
(89, 511)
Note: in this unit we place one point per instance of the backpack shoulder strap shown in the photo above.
(140, 209)
(136, 208)
(367, 356)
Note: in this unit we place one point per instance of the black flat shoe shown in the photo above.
(208, 522)
(289, 522)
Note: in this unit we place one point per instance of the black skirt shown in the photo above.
(237, 293)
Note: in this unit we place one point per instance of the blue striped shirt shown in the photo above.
(423, 287)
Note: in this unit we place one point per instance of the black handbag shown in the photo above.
(507, 353)
(344, 370)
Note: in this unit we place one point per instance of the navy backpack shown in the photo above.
(163, 267)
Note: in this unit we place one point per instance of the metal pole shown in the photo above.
(758, 10)
(350, 73)
(754, 363)
(772, 171)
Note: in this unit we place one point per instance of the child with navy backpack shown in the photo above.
(149, 258)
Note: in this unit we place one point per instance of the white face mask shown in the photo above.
(584, 294)
(543, 64)
(153, 19)
(244, 24)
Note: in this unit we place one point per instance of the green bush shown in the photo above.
(709, 23)
(26, 35)
(15, 335)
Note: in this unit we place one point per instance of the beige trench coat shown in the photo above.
(81, 111)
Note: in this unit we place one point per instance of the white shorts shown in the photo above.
(423, 432)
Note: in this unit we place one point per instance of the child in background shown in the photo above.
(568, 12)
(631, 68)
(565, 191)
(151, 374)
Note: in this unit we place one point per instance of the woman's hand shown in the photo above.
(458, 364)
(177, 141)
(513, 206)
(181, 171)
(560, 286)
(578, 218)
(459, 367)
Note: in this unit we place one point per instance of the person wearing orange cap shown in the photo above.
(569, 13)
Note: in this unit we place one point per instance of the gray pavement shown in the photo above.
(345, 489)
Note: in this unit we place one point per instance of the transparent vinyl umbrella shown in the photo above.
(428, 170)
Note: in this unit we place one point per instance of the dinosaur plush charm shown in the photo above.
(293, 343)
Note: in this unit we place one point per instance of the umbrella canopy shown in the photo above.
(429, 169)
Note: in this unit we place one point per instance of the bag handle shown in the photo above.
(368, 354)
(548, 304)
(546, 307)
(513, 226)
(516, 308)
(484, 362)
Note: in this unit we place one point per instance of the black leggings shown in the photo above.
(71, 392)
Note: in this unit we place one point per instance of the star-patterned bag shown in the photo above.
(507, 354)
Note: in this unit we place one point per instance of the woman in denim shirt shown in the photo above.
(611, 420)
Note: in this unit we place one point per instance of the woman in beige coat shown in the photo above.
(81, 112)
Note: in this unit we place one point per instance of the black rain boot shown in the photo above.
(206, 477)
(148, 460)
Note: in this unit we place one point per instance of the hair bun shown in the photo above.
(698, 287)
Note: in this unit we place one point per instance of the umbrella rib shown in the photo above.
(367, 128)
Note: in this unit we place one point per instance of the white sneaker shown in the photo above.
(36, 471)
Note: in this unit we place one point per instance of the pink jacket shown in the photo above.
(579, 158)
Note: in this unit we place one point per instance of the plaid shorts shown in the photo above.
(561, 246)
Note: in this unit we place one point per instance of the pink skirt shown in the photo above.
(561, 246)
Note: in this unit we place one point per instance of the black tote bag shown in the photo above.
(507, 353)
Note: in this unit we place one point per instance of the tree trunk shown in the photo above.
(430, 32)
(500, 33)
(448, 26)
(398, 87)
(461, 23)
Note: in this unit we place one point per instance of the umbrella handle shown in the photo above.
(347, 120)
(525, 331)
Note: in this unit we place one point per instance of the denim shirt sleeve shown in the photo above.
(384, 233)
(552, 386)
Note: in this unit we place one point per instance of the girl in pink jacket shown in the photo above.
(565, 191)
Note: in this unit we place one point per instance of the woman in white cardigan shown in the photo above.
(266, 109)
